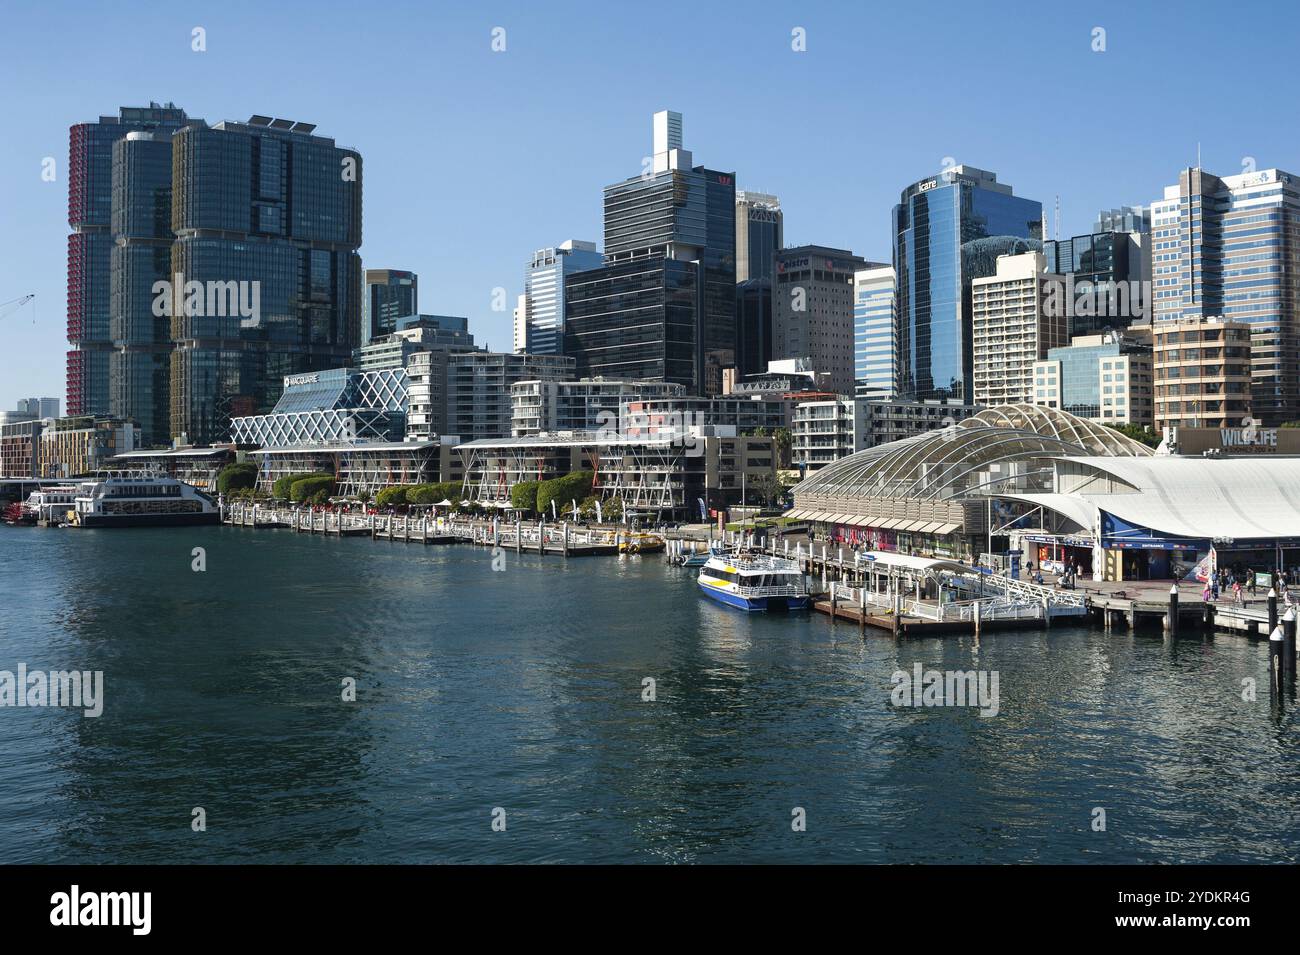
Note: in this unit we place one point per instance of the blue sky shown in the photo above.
(473, 159)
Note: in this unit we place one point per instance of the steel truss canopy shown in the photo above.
(966, 458)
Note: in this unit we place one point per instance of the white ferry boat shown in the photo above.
(49, 505)
(135, 499)
(754, 582)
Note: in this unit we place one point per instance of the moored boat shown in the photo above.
(754, 582)
(141, 499)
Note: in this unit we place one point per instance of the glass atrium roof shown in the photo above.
(972, 456)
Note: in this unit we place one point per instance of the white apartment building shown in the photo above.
(1014, 325)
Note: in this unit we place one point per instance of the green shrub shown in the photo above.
(394, 496)
(282, 485)
(524, 497)
(237, 477)
(563, 491)
(316, 489)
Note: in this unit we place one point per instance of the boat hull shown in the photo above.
(754, 604)
(150, 520)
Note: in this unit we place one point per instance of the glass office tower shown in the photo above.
(140, 365)
(390, 295)
(759, 224)
(933, 220)
(544, 292)
(90, 209)
(269, 211)
(681, 220)
(1229, 246)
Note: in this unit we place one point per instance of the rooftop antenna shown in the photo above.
(1198, 155)
(1056, 229)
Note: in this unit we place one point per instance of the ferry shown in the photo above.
(754, 582)
(141, 499)
(50, 505)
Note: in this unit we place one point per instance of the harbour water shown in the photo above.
(521, 689)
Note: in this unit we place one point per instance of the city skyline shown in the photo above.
(468, 242)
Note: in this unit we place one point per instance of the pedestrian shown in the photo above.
(1214, 588)
(1236, 593)
(1205, 593)
(1250, 582)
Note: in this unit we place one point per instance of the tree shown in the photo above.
(316, 489)
(563, 491)
(238, 476)
(282, 485)
(783, 441)
(1138, 433)
(393, 496)
(523, 496)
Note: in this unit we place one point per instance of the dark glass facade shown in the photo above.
(1097, 261)
(677, 218)
(634, 319)
(276, 213)
(754, 326)
(390, 294)
(933, 221)
(139, 368)
(90, 210)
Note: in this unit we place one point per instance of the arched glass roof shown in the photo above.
(956, 460)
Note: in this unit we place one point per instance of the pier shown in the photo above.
(537, 537)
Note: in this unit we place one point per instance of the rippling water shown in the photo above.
(522, 689)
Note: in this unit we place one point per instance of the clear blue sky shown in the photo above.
(473, 159)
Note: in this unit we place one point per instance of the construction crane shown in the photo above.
(8, 308)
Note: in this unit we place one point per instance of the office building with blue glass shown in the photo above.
(875, 334)
(544, 292)
(935, 220)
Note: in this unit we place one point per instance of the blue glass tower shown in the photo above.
(934, 219)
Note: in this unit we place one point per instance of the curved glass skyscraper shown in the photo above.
(933, 220)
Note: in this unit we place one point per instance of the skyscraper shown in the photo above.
(812, 310)
(935, 219)
(390, 294)
(90, 207)
(663, 306)
(544, 292)
(269, 213)
(140, 365)
(1111, 275)
(759, 225)
(875, 334)
(1230, 247)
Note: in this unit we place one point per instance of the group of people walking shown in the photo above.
(1235, 583)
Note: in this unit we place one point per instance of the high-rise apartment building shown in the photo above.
(267, 219)
(875, 334)
(1202, 372)
(938, 226)
(543, 299)
(90, 245)
(589, 404)
(1230, 246)
(812, 310)
(663, 306)
(759, 226)
(1015, 321)
(390, 295)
